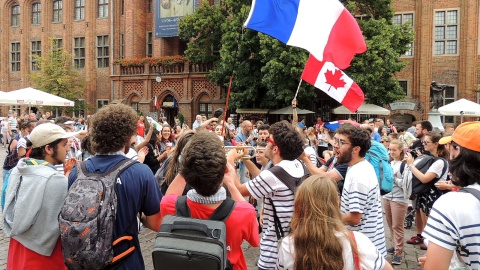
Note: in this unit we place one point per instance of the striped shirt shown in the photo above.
(267, 186)
(455, 216)
(361, 194)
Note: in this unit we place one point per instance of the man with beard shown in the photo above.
(361, 205)
(421, 130)
(33, 200)
(284, 146)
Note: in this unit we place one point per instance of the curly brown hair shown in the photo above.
(288, 140)
(203, 163)
(112, 127)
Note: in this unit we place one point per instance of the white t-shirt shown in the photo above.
(370, 258)
(266, 185)
(361, 194)
(455, 216)
(311, 153)
(437, 168)
(322, 140)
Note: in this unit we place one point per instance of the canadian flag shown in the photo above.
(331, 80)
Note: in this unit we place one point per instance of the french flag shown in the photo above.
(323, 27)
(331, 80)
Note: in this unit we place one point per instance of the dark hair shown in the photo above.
(62, 119)
(112, 127)
(262, 144)
(154, 139)
(441, 149)
(426, 125)
(203, 163)
(174, 165)
(464, 168)
(288, 140)
(263, 127)
(87, 145)
(39, 152)
(357, 136)
(400, 129)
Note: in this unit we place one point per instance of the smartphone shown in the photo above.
(406, 150)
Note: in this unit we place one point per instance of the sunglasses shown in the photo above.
(425, 142)
(271, 141)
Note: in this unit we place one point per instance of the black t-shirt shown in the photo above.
(340, 168)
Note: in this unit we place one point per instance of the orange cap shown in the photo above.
(466, 135)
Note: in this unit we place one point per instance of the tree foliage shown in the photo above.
(266, 72)
(56, 74)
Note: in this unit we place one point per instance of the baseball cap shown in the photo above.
(47, 133)
(466, 135)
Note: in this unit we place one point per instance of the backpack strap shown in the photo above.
(276, 221)
(222, 212)
(356, 259)
(282, 175)
(474, 192)
(181, 207)
(402, 167)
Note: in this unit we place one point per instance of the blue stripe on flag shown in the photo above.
(275, 18)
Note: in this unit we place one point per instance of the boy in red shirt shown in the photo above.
(204, 168)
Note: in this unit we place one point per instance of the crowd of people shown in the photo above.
(306, 195)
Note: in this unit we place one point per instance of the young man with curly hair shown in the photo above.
(361, 205)
(112, 130)
(204, 167)
(284, 146)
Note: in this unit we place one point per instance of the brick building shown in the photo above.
(445, 50)
(98, 32)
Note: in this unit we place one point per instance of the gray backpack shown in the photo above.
(87, 219)
(188, 243)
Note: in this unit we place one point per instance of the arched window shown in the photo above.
(15, 16)
(36, 13)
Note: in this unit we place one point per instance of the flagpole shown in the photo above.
(298, 88)
(230, 83)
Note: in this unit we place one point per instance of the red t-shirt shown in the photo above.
(20, 257)
(241, 224)
(141, 129)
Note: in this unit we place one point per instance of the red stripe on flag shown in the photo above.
(337, 50)
(354, 98)
(311, 70)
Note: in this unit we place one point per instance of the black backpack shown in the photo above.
(417, 186)
(292, 183)
(184, 242)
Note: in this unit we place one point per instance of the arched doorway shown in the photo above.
(169, 109)
(402, 120)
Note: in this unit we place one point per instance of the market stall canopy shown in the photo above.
(253, 111)
(31, 96)
(289, 110)
(461, 107)
(364, 109)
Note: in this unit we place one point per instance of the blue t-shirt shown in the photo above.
(137, 192)
(376, 136)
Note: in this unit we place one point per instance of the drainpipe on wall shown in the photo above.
(112, 43)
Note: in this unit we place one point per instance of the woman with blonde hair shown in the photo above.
(319, 240)
(395, 203)
(312, 139)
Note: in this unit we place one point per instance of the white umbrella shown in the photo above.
(30, 96)
(364, 109)
(461, 107)
(289, 110)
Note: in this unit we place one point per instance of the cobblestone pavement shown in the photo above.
(147, 240)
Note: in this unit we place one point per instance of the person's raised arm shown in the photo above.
(229, 181)
(207, 122)
(294, 112)
(177, 186)
(146, 140)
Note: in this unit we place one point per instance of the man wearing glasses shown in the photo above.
(360, 204)
(284, 146)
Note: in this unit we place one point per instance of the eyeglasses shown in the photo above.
(340, 142)
(270, 141)
(425, 142)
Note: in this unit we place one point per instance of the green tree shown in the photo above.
(56, 74)
(266, 72)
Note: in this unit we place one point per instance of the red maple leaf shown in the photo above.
(334, 79)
